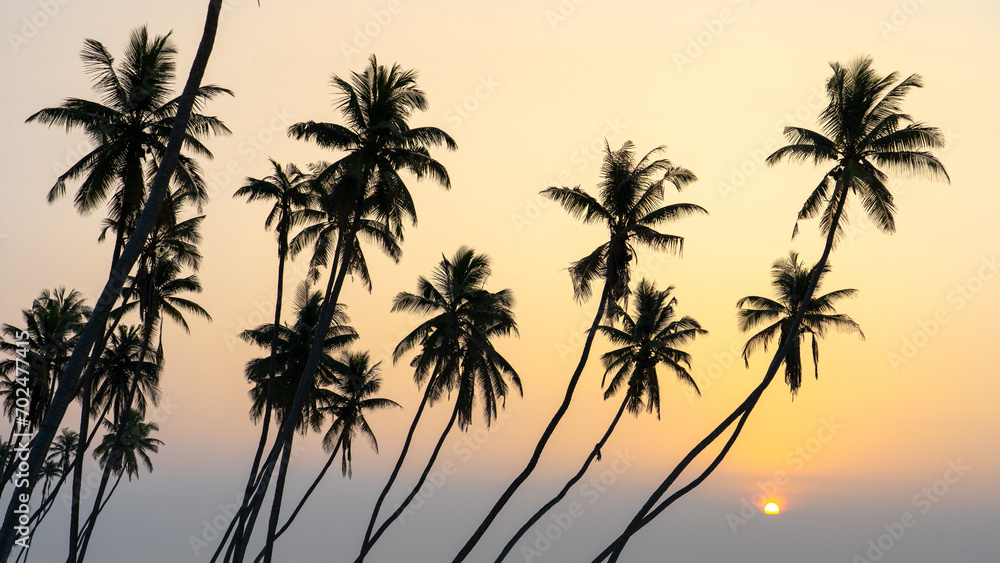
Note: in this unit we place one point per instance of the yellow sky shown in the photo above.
(529, 90)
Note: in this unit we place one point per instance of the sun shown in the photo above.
(771, 508)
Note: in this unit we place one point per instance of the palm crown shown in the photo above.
(629, 203)
(455, 345)
(865, 134)
(790, 280)
(129, 128)
(649, 339)
(294, 341)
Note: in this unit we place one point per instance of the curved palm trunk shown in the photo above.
(537, 454)
(569, 485)
(98, 319)
(302, 501)
(272, 368)
(279, 493)
(647, 512)
(399, 465)
(122, 416)
(416, 488)
(306, 381)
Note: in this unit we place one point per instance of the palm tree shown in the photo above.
(154, 294)
(290, 355)
(51, 328)
(293, 343)
(95, 328)
(377, 105)
(120, 452)
(293, 196)
(456, 354)
(360, 381)
(126, 361)
(648, 340)
(134, 446)
(129, 128)
(630, 205)
(791, 278)
(865, 134)
(63, 449)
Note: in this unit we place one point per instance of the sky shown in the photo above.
(890, 455)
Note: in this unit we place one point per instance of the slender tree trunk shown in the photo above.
(271, 369)
(741, 412)
(279, 493)
(308, 378)
(537, 454)
(309, 492)
(416, 488)
(122, 416)
(569, 485)
(98, 319)
(399, 464)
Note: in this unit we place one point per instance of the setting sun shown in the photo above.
(771, 508)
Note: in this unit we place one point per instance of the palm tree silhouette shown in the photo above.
(94, 331)
(360, 382)
(292, 349)
(364, 184)
(294, 343)
(50, 331)
(630, 205)
(129, 128)
(291, 191)
(646, 341)
(456, 354)
(790, 280)
(865, 134)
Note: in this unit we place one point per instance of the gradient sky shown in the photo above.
(530, 90)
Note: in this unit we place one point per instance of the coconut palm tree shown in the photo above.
(790, 280)
(129, 128)
(120, 452)
(94, 331)
(456, 354)
(51, 328)
(291, 191)
(360, 382)
(377, 104)
(291, 353)
(127, 361)
(865, 136)
(63, 449)
(650, 339)
(629, 204)
(293, 343)
(153, 294)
